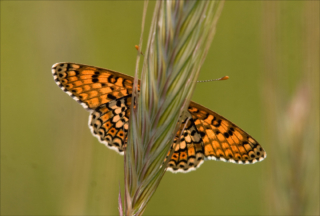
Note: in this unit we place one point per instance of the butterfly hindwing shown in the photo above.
(107, 95)
(109, 123)
(188, 149)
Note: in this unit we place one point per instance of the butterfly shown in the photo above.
(107, 94)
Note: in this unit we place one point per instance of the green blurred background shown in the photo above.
(52, 165)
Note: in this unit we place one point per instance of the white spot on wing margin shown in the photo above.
(185, 171)
(102, 141)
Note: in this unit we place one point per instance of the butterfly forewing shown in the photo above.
(203, 134)
(91, 86)
(223, 140)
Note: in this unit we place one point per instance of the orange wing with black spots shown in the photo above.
(91, 86)
(208, 135)
(223, 140)
(110, 122)
(107, 95)
(188, 149)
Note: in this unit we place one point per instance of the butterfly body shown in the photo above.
(107, 95)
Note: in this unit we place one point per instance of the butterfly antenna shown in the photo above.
(138, 48)
(222, 78)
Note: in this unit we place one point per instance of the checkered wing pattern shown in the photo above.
(203, 134)
(110, 122)
(209, 136)
(91, 86)
(223, 140)
(188, 148)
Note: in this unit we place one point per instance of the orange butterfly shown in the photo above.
(107, 95)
